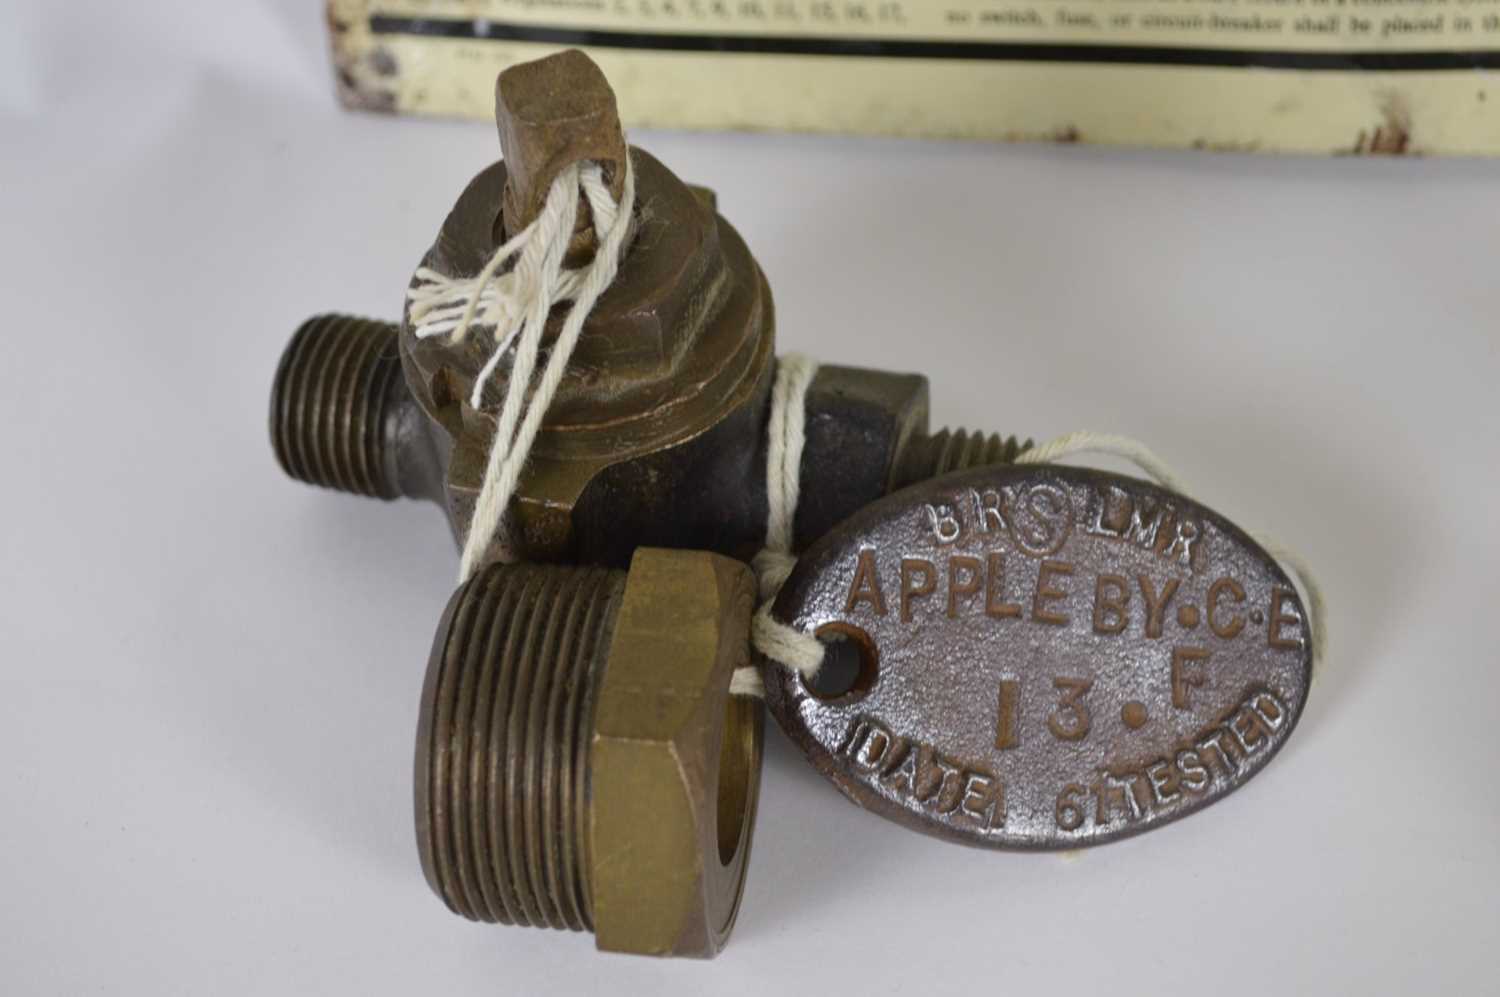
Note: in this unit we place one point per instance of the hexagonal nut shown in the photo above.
(858, 422)
(674, 759)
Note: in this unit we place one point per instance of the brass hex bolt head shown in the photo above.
(580, 762)
(676, 759)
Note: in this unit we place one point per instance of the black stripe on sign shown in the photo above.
(1138, 55)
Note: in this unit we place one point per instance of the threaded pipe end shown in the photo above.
(954, 450)
(329, 404)
(503, 743)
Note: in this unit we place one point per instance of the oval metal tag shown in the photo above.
(1046, 657)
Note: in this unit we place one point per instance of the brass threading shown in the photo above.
(503, 755)
(329, 404)
(953, 450)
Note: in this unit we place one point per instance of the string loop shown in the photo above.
(515, 304)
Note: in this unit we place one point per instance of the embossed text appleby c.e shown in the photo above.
(1042, 657)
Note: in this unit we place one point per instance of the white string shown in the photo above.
(803, 653)
(1110, 444)
(787, 433)
(517, 304)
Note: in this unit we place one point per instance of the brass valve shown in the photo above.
(657, 435)
(571, 714)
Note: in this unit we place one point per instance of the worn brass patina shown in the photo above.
(657, 434)
(580, 762)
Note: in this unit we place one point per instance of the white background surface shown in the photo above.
(209, 675)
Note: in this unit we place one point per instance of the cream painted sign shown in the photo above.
(1317, 76)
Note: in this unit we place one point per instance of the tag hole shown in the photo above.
(851, 663)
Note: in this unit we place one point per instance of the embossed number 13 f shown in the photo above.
(1070, 719)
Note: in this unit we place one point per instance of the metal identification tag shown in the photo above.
(1042, 657)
